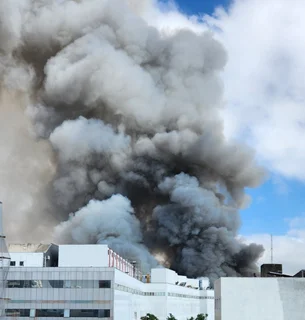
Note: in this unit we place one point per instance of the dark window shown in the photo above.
(22, 284)
(56, 283)
(104, 313)
(21, 263)
(27, 284)
(104, 284)
(17, 312)
(14, 284)
(89, 313)
(13, 263)
(56, 313)
(84, 313)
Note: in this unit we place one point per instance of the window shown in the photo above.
(89, 313)
(13, 263)
(56, 283)
(56, 313)
(104, 284)
(70, 284)
(13, 284)
(17, 312)
(21, 263)
(23, 284)
(78, 284)
(105, 313)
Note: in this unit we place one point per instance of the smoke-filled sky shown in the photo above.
(266, 106)
(130, 123)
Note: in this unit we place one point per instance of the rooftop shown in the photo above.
(28, 247)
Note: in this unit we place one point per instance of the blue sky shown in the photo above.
(273, 205)
(280, 198)
(200, 6)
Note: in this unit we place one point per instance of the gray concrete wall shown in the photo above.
(260, 298)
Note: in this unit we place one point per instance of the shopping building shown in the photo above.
(92, 281)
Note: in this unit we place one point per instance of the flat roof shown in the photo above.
(29, 247)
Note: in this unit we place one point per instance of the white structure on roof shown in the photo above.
(92, 281)
(34, 255)
(260, 298)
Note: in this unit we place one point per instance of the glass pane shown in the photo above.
(50, 313)
(104, 284)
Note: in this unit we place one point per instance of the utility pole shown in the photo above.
(271, 249)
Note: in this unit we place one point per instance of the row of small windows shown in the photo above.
(179, 295)
(134, 291)
(138, 292)
(68, 284)
(59, 313)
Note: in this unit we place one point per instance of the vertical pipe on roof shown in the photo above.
(1, 222)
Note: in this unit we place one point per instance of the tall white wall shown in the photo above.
(260, 298)
(83, 256)
(210, 304)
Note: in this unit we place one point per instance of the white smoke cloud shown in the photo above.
(11, 24)
(111, 221)
(78, 139)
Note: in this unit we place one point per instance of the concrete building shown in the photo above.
(276, 270)
(92, 281)
(260, 298)
(268, 269)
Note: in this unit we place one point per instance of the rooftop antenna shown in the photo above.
(271, 251)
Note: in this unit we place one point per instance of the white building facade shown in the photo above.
(260, 298)
(92, 281)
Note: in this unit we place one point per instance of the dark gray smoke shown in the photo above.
(133, 116)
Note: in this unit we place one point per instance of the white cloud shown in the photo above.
(265, 93)
(264, 83)
(264, 87)
(166, 17)
(297, 227)
(288, 249)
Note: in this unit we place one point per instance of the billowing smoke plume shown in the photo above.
(132, 115)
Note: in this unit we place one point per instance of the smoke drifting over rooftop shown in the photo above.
(132, 115)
